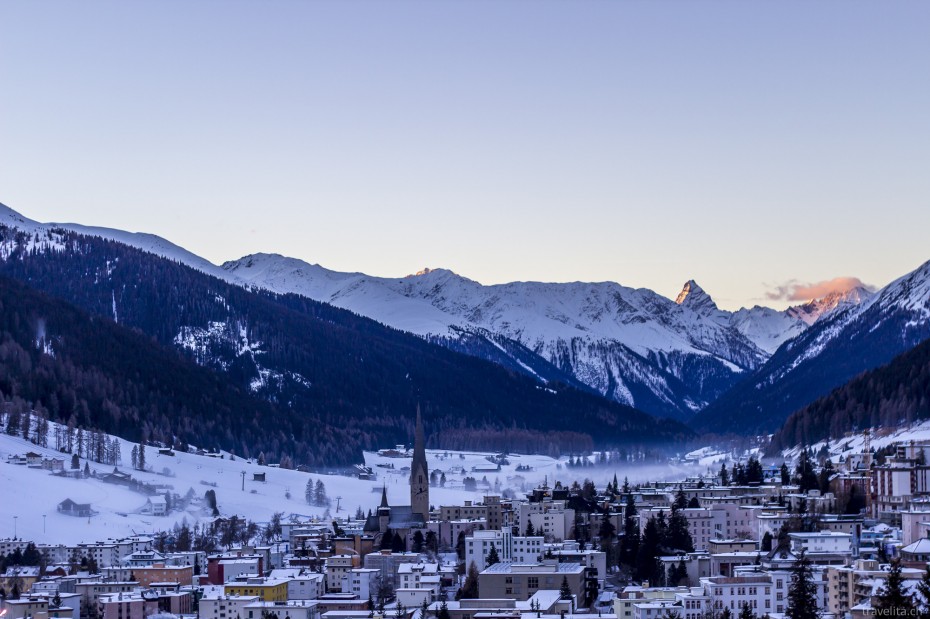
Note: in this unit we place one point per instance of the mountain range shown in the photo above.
(335, 382)
(684, 359)
(668, 358)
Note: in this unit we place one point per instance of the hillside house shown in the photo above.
(80, 510)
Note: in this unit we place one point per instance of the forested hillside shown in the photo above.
(893, 395)
(91, 373)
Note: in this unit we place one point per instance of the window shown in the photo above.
(532, 582)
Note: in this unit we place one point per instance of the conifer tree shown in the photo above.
(492, 556)
(387, 540)
(893, 600)
(785, 474)
(802, 593)
(629, 546)
(804, 475)
(923, 589)
(565, 591)
(681, 501)
(469, 590)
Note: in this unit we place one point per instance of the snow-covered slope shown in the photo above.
(140, 240)
(119, 507)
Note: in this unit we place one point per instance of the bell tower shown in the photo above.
(419, 473)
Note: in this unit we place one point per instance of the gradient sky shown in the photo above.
(752, 146)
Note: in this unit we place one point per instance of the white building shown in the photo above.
(294, 609)
(301, 584)
(510, 548)
(550, 518)
(361, 581)
(225, 606)
(821, 542)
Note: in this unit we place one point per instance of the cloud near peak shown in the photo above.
(800, 291)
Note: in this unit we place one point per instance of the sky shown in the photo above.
(764, 149)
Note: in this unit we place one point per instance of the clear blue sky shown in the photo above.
(744, 144)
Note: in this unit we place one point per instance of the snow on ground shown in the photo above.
(27, 494)
(880, 437)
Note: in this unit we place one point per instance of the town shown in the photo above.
(832, 537)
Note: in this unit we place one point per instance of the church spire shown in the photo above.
(419, 472)
(384, 502)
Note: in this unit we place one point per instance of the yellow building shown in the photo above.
(267, 590)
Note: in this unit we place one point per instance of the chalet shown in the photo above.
(55, 465)
(155, 506)
(33, 459)
(258, 477)
(70, 508)
(165, 452)
(117, 477)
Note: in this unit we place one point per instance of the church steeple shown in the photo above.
(419, 472)
(384, 502)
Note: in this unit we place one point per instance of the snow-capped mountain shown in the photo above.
(815, 309)
(632, 345)
(670, 358)
(857, 332)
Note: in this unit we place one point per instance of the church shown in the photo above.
(402, 519)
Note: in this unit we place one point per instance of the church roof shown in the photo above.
(403, 517)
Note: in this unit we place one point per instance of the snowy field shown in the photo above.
(29, 497)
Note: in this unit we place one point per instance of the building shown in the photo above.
(267, 589)
(362, 582)
(633, 595)
(159, 573)
(550, 517)
(902, 479)
(226, 567)
(155, 506)
(21, 576)
(291, 609)
(337, 569)
(225, 606)
(80, 510)
(510, 548)
(388, 563)
(851, 585)
(520, 582)
(301, 584)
